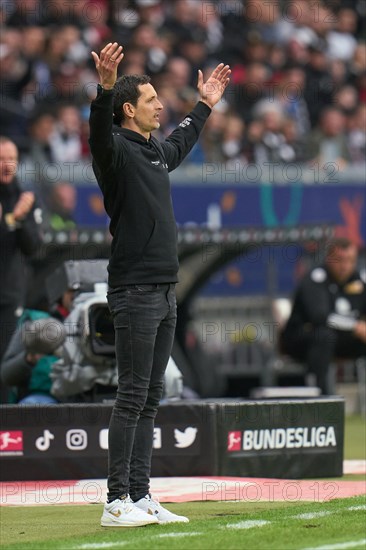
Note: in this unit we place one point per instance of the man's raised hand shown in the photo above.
(212, 90)
(107, 64)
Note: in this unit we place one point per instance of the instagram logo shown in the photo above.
(76, 440)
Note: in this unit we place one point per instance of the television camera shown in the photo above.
(88, 356)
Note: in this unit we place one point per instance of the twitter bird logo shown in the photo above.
(186, 438)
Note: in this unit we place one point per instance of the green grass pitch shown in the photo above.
(338, 524)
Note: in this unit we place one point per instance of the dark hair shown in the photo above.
(126, 90)
(340, 242)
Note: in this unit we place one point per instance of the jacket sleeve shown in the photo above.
(28, 234)
(100, 124)
(15, 371)
(108, 151)
(179, 143)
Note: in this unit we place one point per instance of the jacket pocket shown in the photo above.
(162, 245)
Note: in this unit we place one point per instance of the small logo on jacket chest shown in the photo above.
(157, 163)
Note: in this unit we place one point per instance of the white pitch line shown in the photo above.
(249, 524)
(356, 508)
(99, 545)
(312, 515)
(167, 535)
(340, 546)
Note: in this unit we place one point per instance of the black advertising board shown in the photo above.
(52, 442)
(71, 441)
(290, 439)
(185, 441)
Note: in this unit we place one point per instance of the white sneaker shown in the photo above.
(123, 513)
(152, 506)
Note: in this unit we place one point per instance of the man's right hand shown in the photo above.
(107, 64)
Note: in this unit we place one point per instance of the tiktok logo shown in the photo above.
(43, 442)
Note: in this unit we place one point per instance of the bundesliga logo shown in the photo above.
(11, 443)
(282, 438)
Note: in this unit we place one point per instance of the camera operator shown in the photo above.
(28, 359)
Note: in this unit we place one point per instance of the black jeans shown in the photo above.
(144, 320)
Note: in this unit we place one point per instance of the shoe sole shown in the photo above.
(137, 524)
(111, 523)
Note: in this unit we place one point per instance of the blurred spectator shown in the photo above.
(356, 134)
(212, 134)
(41, 129)
(328, 143)
(61, 12)
(357, 70)
(346, 99)
(248, 87)
(291, 96)
(319, 87)
(253, 139)
(293, 148)
(19, 237)
(15, 74)
(341, 41)
(278, 143)
(338, 73)
(25, 13)
(38, 161)
(179, 73)
(135, 64)
(65, 140)
(233, 139)
(193, 48)
(328, 318)
(61, 203)
(183, 19)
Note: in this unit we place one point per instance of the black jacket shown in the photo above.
(132, 173)
(321, 301)
(15, 243)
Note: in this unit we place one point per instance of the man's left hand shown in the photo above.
(212, 90)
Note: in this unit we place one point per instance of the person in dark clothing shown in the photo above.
(328, 319)
(19, 237)
(29, 357)
(132, 169)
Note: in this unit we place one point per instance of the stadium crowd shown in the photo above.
(298, 89)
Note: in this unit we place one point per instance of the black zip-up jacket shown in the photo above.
(321, 301)
(16, 243)
(132, 172)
